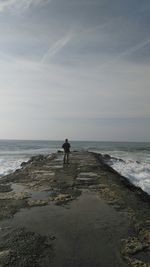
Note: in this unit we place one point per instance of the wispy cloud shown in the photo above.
(57, 47)
(127, 52)
(136, 47)
(20, 4)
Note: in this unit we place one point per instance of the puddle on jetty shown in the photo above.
(17, 188)
(87, 231)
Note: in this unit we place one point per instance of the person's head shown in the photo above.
(66, 140)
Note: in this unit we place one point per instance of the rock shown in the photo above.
(136, 263)
(5, 188)
(102, 186)
(37, 158)
(143, 232)
(60, 151)
(88, 174)
(132, 246)
(13, 195)
(108, 194)
(23, 164)
(145, 235)
(4, 253)
(37, 202)
(62, 199)
(24, 248)
(106, 156)
(95, 186)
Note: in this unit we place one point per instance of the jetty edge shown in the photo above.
(117, 212)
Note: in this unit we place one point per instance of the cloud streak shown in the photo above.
(17, 4)
(127, 52)
(135, 48)
(57, 47)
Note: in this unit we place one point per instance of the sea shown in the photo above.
(135, 163)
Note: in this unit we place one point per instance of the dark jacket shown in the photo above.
(66, 147)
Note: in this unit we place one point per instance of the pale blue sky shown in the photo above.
(75, 68)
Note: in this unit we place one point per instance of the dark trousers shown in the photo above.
(66, 157)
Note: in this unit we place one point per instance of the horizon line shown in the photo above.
(73, 140)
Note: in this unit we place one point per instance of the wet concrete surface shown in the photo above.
(86, 231)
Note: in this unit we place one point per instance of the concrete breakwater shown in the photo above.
(80, 214)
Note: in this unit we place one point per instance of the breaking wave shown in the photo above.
(137, 172)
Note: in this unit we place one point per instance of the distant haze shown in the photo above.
(77, 69)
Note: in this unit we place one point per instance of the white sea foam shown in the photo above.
(135, 165)
(8, 164)
(11, 161)
(13, 153)
(137, 172)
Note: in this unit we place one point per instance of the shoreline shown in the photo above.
(45, 186)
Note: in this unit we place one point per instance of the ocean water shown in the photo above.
(135, 165)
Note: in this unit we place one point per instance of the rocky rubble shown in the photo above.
(20, 247)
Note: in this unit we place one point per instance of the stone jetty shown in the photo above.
(70, 215)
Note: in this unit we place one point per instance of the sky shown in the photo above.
(76, 69)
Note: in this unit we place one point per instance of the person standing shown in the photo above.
(66, 146)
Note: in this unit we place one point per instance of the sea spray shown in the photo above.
(137, 172)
